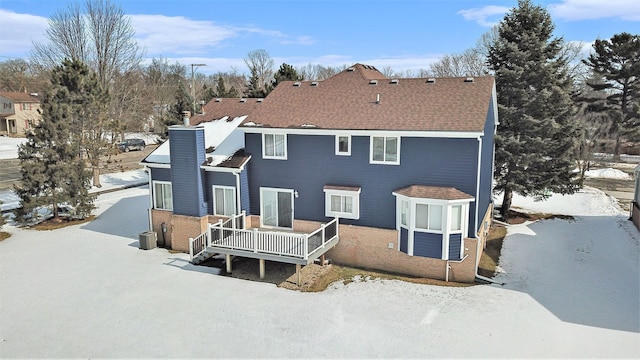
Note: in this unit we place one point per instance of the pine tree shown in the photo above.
(285, 73)
(536, 138)
(617, 63)
(182, 102)
(53, 170)
(222, 92)
(254, 88)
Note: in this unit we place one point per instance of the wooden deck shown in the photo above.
(232, 238)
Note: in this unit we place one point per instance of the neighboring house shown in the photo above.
(404, 166)
(635, 204)
(19, 112)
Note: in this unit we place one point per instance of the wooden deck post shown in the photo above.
(261, 269)
(228, 261)
(298, 274)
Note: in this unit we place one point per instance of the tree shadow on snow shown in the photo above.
(585, 271)
(126, 218)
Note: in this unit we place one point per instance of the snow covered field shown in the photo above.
(572, 290)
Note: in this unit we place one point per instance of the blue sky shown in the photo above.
(401, 34)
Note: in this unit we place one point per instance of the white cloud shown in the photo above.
(596, 9)
(19, 31)
(487, 16)
(160, 34)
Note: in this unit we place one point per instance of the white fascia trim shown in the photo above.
(184, 127)
(155, 165)
(221, 169)
(433, 201)
(398, 133)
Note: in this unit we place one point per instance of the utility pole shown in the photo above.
(193, 87)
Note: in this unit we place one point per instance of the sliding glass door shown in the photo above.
(276, 206)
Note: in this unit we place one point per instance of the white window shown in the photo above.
(429, 217)
(385, 150)
(162, 198)
(274, 146)
(404, 213)
(343, 145)
(224, 200)
(342, 202)
(456, 218)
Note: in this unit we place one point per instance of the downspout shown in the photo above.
(238, 201)
(149, 212)
(446, 275)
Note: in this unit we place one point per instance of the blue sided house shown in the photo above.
(369, 171)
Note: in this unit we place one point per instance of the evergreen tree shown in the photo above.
(616, 64)
(222, 92)
(536, 138)
(286, 72)
(53, 170)
(182, 102)
(254, 88)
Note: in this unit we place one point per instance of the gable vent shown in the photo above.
(431, 81)
(373, 82)
(394, 81)
(314, 83)
(468, 80)
(297, 83)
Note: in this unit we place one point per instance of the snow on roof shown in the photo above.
(222, 135)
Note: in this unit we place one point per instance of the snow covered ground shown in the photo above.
(572, 291)
(9, 147)
(608, 173)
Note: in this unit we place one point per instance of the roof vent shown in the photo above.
(243, 100)
(394, 81)
(218, 100)
(297, 83)
(351, 69)
(431, 81)
(469, 79)
(373, 82)
(314, 83)
(259, 100)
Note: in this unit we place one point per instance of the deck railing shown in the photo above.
(232, 234)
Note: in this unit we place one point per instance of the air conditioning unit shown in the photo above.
(148, 240)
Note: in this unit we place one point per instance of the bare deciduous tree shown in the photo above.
(261, 64)
(100, 35)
